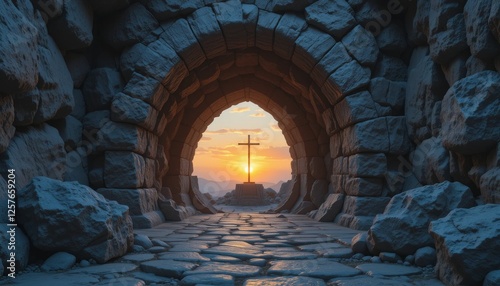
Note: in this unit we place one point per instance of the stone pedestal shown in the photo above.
(249, 194)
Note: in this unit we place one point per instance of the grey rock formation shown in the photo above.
(490, 186)
(464, 237)
(6, 120)
(492, 279)
(99, 88)
(129, 26)
(425, 256)
(330, 208)
(22, 245)
(35, 151)
(59, 261)
(402, 228)
(18, 44)
(469, 114)
(73, 29)
(335, 17)
(75, 219)
(361, 45)
(479, 38)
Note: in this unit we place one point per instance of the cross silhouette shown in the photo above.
(248, 144)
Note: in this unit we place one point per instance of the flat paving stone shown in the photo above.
(284, 281)
(122, 281)
(241, 244)
(320, 246)
(384, 269)
(106, 268)
(53, 279)
(237, 252)
(337, 253)
(236, 270)
(320, 268)
(209, 279)
(167, 268)
(368, 281)
(245, 238)
(150, 278)
(294, 255)
(193, 257)
(139, 257)
(222, 258)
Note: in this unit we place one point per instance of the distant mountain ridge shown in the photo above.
(219, 189)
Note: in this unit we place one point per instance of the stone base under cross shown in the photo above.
(248, 194)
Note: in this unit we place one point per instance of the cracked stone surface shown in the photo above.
(239, 249)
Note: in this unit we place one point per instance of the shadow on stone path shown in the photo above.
(239, 249)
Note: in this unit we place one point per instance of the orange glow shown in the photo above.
(219, 158)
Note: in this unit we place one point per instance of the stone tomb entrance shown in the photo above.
(313, 80)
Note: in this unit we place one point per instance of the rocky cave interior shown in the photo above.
(373, 98)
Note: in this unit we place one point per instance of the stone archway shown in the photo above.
(315, 80)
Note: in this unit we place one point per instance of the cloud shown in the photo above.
(275, 127)
(274, 153)
(233, 131)
(205, 139)
(258, 114)
(240, 109)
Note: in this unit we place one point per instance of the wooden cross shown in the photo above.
(248, 144)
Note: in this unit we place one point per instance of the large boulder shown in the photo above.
(330, 208)
(22, 245)
(490, 186)
(467, 244)
(402, 228)
(35, 151)
(18, 40)
(69, 217)
(470, 114)
(73, 29)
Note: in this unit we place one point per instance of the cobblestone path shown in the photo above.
(239, 249)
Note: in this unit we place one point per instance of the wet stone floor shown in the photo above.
(239, 249)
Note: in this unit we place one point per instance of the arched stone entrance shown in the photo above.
(315, 80)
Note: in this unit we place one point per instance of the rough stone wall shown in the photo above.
(373, 99)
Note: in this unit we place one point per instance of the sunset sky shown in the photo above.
(219, 158)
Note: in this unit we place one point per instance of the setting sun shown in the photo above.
(219, 157)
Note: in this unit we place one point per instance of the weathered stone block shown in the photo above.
(310, 48)
(6, 121)
(490, 186)
(479, 37)
(333, 17)
(230, 17)
(347, 79)
(173, 71)
(124, 170)
(70, 129)
(392, 39)
(464, 237)
(447, 37)
(129, 26)
(388, 93)
(333, 59)
(368, 136)
(286, 33)
(364, 187)
(368, 165)
(163, 10)
(266, 25)
(362, 46)
(187, 46)
(99, 88)
(330, 208)
(147, 89)
(74, 218)
(355, 108)
(135, 111)
(205, 28)
(470, 114)
(78, 67)
(19, 66)
(73, 29)
(402, 228)
(35, 151)
(139, 201)
(364, 206)
(391, 68)
(398, 135)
